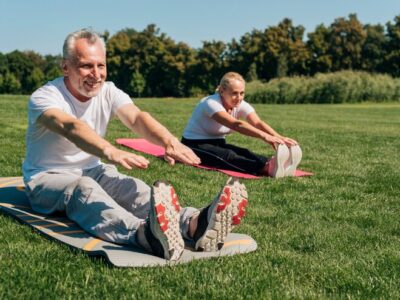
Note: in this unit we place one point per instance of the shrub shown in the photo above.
(338, 87)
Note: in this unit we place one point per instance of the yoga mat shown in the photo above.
(14, 202)
(145, 146)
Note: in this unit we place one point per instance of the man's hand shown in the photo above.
(126, 159)
(175, 150)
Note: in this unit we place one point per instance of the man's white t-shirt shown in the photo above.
(46, 150)
(201, 126)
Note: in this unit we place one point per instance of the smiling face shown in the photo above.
(86, 71)
(232, 94)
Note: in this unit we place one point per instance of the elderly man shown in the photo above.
(68, 118)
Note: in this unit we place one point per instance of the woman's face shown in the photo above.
(233, 94)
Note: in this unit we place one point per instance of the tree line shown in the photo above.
(148, 63)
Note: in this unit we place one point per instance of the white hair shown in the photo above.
(88, 34)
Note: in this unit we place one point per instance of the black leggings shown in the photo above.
(217, 153)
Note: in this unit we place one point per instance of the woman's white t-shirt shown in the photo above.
(201, 126)
(46, 150)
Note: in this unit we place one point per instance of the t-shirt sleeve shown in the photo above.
(41, 101)
(211, 107)
(245, 109)
(119, 98)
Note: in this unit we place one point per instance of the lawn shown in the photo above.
(333, 235)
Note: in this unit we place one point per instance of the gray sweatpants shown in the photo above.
(101, 200)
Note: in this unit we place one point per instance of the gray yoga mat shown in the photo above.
(14, 202)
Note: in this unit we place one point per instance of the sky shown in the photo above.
(42, 25)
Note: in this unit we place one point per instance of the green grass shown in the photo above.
(333, 235)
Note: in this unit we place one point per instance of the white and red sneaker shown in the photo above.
(218, 219)
(162, 229)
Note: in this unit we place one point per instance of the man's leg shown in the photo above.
(130, 193)
(46, 192)
(133, 194)
(84, 202)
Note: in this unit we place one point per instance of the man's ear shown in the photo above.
(64, 67)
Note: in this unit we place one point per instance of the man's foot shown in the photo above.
(162, 230)
(294, 160)
(217, 220)
(276, 166)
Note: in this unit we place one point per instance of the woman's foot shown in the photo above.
(294, 160)
(276, 165)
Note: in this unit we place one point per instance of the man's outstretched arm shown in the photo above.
(149, 128)
(85, 138)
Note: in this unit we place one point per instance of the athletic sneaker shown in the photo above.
(276, 166)
(294, 160)
(217, 220)
(162, 226)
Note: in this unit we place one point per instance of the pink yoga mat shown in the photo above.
(145, 146)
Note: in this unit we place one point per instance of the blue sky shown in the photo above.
(41, 25)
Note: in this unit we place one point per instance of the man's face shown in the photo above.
(232, 95)
(85, 75)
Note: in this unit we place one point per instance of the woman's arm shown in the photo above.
(246, 128)
(255, 121)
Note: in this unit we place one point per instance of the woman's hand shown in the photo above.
(289, 142)
(273, 140)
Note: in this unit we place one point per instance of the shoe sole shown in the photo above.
(164, 220)
(282, 155)
(295, 158)
(228, 209)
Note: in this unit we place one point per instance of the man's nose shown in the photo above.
(95, 72)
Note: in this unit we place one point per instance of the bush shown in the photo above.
(338, 87)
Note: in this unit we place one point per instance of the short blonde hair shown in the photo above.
(227, 78)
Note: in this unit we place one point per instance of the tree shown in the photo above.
(209, 67)
(160, 61)
(34, 80)
(246, 56)
(20, 66)
(392, 59)
(282, 51)
(51, 67)
(11, 84)
(137, 84)
(251, 75)
(318, 45)
(373, 50)
(3, 64)
(171, 69)
(346, 40)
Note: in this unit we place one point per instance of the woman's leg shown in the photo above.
(221, 155)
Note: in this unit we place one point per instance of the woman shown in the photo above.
(218, 115)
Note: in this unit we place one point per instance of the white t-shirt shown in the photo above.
(201, 126)
(46, 150)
